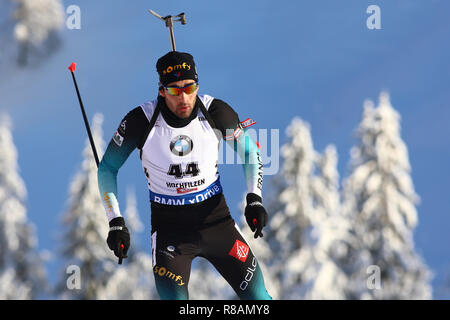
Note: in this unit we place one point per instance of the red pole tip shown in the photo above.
(72, 67)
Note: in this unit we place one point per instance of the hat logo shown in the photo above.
(169, 69)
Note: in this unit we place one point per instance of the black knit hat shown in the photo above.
(175, 66)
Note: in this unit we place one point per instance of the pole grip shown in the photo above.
(121, 255)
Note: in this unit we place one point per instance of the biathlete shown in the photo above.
(178, 137)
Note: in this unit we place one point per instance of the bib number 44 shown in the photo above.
(176, 170)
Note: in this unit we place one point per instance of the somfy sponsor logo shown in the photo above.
(169, 69)
(163, 272)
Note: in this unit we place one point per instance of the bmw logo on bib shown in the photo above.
(181, 145)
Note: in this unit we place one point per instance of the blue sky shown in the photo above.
(270, 61)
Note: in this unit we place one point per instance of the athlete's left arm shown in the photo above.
(227, 121)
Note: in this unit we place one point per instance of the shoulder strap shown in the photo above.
(209, 119)
(141, 143)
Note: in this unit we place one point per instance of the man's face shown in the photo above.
(183, 104)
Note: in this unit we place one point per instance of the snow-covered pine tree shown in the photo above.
(29, 30)
(336, 250)
(86, 227)
(134, 279)
(22, 274)
(379, 195)
(288, 231)
(11, 288)
(37, 23)
(326, 185)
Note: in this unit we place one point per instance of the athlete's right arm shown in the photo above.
(119, 148)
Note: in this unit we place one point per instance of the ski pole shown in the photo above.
(169, 20)
(72, 68)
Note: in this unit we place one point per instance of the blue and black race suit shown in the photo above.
(189, 214)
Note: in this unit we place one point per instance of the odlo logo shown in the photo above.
(249, 275)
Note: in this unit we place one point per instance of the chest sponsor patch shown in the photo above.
(187, 197)
(240, 251)
(185, 190)
(181, 145)
(185, 187)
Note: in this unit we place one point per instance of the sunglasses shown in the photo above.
(176, 91)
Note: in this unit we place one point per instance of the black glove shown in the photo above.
(118, 238)
(255, 214)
